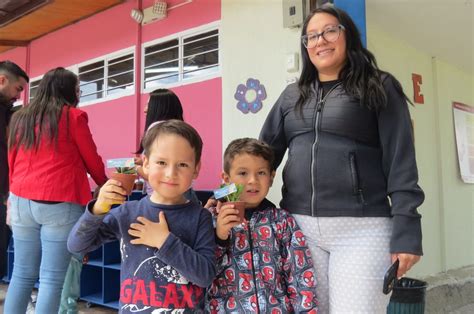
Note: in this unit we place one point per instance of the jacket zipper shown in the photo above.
(319, 109)
(253, 268)
(356, 188)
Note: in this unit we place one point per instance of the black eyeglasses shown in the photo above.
(330, 34)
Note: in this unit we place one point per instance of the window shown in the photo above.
(110, 76)
(33, 88)
(182, 58)
(200, 54)
(162, 63)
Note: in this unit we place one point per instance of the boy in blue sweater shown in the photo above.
(166, 242)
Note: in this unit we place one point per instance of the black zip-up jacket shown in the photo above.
(347, 160)
(5, 113)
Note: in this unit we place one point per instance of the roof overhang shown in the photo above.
(22, 21)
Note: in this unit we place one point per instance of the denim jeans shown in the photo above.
(40, 234)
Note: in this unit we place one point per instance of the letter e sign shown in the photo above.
(417, 95)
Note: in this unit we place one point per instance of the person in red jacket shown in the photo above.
(51, 150)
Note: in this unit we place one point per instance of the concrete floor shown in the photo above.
(82, 305)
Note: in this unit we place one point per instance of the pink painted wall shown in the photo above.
(114, 123)
(101, 34)
(196, 13)
(17, 55)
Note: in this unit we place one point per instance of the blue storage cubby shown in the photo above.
(10, 256)
(111, 295)
(100, 277)
(112, 255)
(91, 284)
(95, 258)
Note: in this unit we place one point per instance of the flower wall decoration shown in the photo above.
(250, 96)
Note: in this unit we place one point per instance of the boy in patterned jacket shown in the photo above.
(263, 264)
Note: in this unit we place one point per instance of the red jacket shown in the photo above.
(58, 173)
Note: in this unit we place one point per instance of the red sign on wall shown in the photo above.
(417, 95)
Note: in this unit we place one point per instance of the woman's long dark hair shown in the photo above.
(41, 117)
(360, 75)
(163, 105)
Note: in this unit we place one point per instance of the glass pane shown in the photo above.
(120, 80)
(91, 66)
(120, 89)
(91, 76)
(162, 56)
(161, 46)
(199, 36)
(34, 88)
(200, 72)
(120, 67)
(162, 81)
(92, 81)
(33, 91)
(91, 97)
(200, 61)
(162, 70)
(92, 88)
(201, 45)
(119, 59)
(35, 84)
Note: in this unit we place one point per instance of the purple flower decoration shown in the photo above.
(250, 96)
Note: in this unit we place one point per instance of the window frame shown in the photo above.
(181, 36)
(106, 58)
(33, 80)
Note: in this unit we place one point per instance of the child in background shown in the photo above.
(263, 265)
(163, 105)
(167, 242)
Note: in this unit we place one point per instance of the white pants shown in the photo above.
(351, 256)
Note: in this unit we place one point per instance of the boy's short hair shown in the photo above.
(176, 127)
(12, 70)
(249, 146)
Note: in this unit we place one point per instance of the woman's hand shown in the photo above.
(406, 262)
(141, 173)
(138, 160)
(110, 193)
(211, 202)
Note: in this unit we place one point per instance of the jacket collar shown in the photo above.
(265, 204)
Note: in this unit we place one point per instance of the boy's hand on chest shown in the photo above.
(150, 233)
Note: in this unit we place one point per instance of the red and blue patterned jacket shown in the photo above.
(266, 259)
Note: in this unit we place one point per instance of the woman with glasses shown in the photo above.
(351, 176)
(51, 150)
